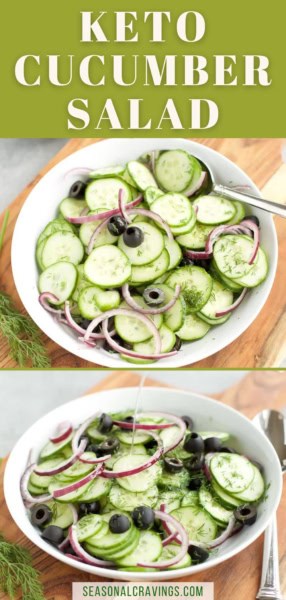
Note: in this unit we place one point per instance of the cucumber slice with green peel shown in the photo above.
(213, 506)
(195, 179)
(199, 525)
(70, 207)
(175, 209)
(128, 179)
(127, 437)
(141, 175)
(111, 541)
(174, 481)
(174, 170)
(98, 488)
(176, 231)
(79, 469)
(115, 171)
(213, 210)
(174, 251)
(150, 248)
(87, 229)
(62, 515)
(255, 490)
(223, 436)
(59, 279)
(173, 317)
(118, 553)
(172, 550)
(62, 246)
(88, 526)
(216, 321)
(232, 254)
(239, 214)
(141, 481)
(220, 298)
(94, 433)
(39, 251)
(171, 499)
(54, 226)
(233, 472)
(124, 451)
(150, 272)
(43, 481)
(152, 193)
(190, 499)
(107, 267)
(229, 283)
(35, 491)
(193, 328)
(71, 497)
(196, 286)
(131, 329)
(257, 274)
(149, 549)
(82, 282)
(124, 500)
(196, 238)
(50, 449)
(107, 299)
(87, 303)
(168, 340)
(169, 436)
(226, 499)
(103, 193)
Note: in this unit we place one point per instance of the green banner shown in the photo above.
(127, 68)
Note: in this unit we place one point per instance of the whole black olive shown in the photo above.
(194, 464)
(53, 534)
(195, 484)
(109, 446)
(189, 422)
(41, 514)
(119, 523)
(116, 225)
(254, 219)
(173, 465)
(92, 448)
(88, 508)
(194, 443)
(77, 190)
(246, 514)
(105, 423)
(212, 444)
(197, 554)
(133, 236)
(153, 295)
(143, 517)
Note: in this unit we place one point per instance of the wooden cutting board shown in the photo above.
(237, 578)
(264, 343)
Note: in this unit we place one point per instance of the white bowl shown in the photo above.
(207, 414)
(41, 207)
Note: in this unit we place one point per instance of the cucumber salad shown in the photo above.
(140, 495)
(141, 259)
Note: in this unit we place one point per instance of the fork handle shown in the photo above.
(268, 205)
(270, 581)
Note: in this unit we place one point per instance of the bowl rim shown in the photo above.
(126, 575)
(103, 359)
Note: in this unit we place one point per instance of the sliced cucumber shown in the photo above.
(151, 194)
(175, 209)
(62, 515)
(110, 541)
(87, 229)
(141, 176)
(50, 449)
(212, 210)
(199, 525)
(173, 317)
(168, 340)
(70, 207)
(255, 491)
(107, 266)
(124, 500)
(174, 251)
(216, 321)
(141, 481)
(82, 282)
(39, 251)
(239, 212)
(196, 286)
(43, 481)
(232, 254)
(59, 279)
(193, 328)
(196, 238)
(169, 436)
(115, 171)
(87, 526)
(124, 451)
(131, 329)
(213, 507)
(150, 272)
(233, 472)
(226, 499)
(96, 489)
(62, 246)
(127, 437)
(222, 435)
(103, 193)
(71, 497)
(87, 303)
(176, 231)
(107, 299)
(148, 549)
(171, 499)
(150, 249)
(174, 170)
(257, 274)
(79, 469)
(229, 283)
(172, 550)
(174, 481)
(190, 499)
(54, 226)
(220, 298)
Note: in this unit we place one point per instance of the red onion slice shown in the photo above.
(175, 421)
(151, 461)
(165, 564)
(95, 461)
(171, 538)
(155, 217)
(142, 426)
(196, 186)
(62, 432)
(225, 534)
(122, 207)
(44, 299)
(122, 350)
(72, 323)
(81, 430)
(27, 497)
(233, 306)
(104, 215)
(256, 238)
(82, 554)
(148, 311)
(77, 484)
(64, 465)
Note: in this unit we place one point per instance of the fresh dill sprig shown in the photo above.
(17, 572)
